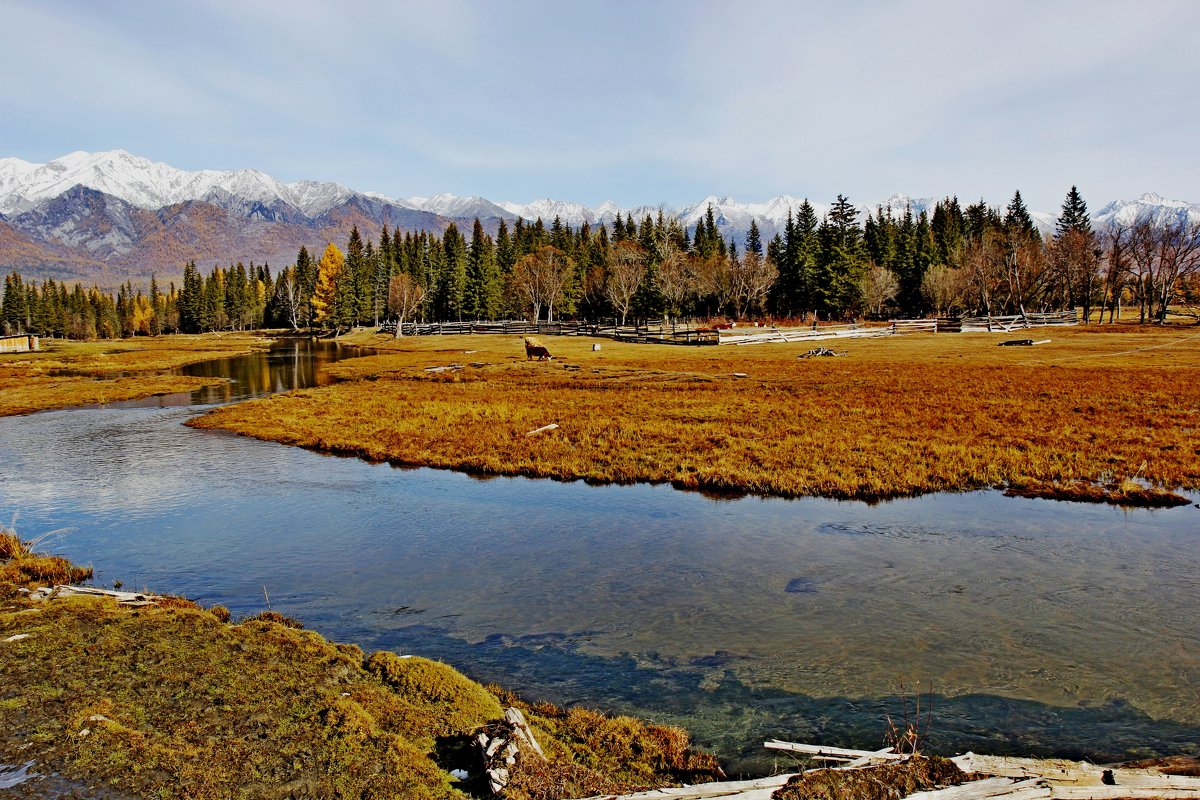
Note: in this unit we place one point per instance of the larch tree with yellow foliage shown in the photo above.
(329, 271)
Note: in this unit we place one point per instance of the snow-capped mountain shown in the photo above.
(1148, 207)
(115, 213)
(448, 205)
(151, 185)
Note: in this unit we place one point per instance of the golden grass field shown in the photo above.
(897, 416)
(67, 373)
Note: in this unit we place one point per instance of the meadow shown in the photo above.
(68, 373)
(1105, 413)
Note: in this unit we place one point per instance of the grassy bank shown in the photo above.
(897, 416)
(176, 701)
(67, 373)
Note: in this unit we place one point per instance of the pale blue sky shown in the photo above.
(653, 102)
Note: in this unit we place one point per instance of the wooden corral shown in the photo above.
(19, 343)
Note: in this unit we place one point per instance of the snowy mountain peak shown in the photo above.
(152, 185)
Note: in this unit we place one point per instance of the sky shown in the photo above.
(654, 102)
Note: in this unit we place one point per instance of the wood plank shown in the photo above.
(756, 789)
(1062, 771)
(1115, 792)
(978, 790)
(826, 750)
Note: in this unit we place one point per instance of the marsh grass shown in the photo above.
(23, 567)
(897, 417)
(67, 373)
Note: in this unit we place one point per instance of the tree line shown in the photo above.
(955, 260)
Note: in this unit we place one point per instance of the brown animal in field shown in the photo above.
(535, 349)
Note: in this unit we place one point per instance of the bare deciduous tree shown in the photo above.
(676, 278)
(942, 286)
(405, 295)
(626, 271)
(879, 287)
(1162, 256)
(539, 280)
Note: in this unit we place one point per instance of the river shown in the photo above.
(1039, 627)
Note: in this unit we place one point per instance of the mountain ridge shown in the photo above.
(111, 214)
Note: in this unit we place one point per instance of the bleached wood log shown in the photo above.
(1114, 792)
(827, 751)
(757, 789)
(64, 590)
(1076, 773)
(868, 759)
(551, 427)
(1005, 788)
(523, 733)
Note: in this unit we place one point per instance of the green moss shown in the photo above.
(436, 691)
(174, 700)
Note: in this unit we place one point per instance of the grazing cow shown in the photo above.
(535, 349)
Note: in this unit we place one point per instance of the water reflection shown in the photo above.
(294, 363)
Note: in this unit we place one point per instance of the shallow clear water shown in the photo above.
(1070, 629)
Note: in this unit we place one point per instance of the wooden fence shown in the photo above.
(687, 333)
(650, 331)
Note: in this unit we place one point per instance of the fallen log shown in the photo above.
(124, 598)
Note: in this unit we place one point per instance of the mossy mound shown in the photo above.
(590, 753)
(174, 701)
(887, 782)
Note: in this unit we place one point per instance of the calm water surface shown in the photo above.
(1044, 627)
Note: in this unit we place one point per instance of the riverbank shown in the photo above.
(1112, 409)
(68, 373)
(170, 699)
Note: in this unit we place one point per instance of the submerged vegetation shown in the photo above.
(900, 416)
(70, 373)
(175, 701)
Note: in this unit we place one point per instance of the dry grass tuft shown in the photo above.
(23, 568)
(272, 617)
(1127, 492)
(887, 782)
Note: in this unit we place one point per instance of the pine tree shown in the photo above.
(1074, 216)
(842, 261)
(14, 308)
(482, 294)
(157, 306)
(356, 304)
(505, 255)
(948, 227)
(754, 240)
(306, 279)
(1017, 221)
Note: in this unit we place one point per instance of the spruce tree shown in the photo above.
(1074, 216)
(754, 240)
(1017, 221)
